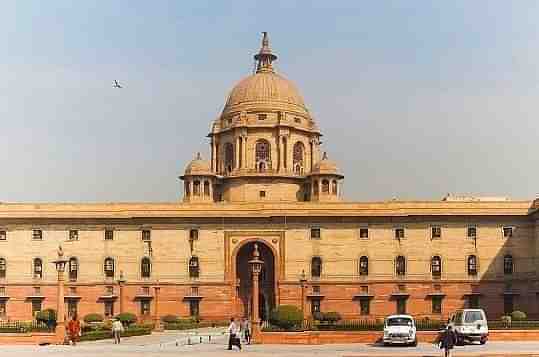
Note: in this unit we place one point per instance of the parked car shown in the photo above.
(400, 329)
(470, 325)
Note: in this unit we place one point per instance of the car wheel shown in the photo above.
(483, 341)
(460, 341)
(414, 344)
(386, 344)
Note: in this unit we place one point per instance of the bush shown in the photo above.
(518, 316)
(133, 330)
(287, 317)
(127, 318)
(93, 318)
(331, 317)
(47, 316)
(170, 319)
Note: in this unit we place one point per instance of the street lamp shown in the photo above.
(256, 267)
(121, 282)
(60, 264)
(303, 283)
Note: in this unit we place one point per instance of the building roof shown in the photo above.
(325, 166)
(198, 166)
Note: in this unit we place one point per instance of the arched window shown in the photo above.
(206, 188)
(145, 267)
(334, 187)
(325, 186)
(472, 265)
(316, 267)
(400, 265)
(108, 267)
(38, 268)
(315, 187)
(436, 266)
(298, 154)
(262, 155)
(363, 265)
(194, 267)
(73, 269)
(508, 264)
(3, 268)
(196, 188)
(229, 157)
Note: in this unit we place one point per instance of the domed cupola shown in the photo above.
(324, 180)
(199, 181)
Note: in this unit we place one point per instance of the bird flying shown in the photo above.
(115, 84)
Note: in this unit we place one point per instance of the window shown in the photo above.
(3, 235)
(37, 234)
(473, 302)
(193, 234)
(297, 120)
(194, 268)
(109, 267)
(334, 187)
(262, 155)
(109, 234)
(36, 306)
(315, 306)
(364, 233)
(399, 233)
(316, 289)
(38, 268)
(508, 304)
(194, 308)
(144, 307)
(146, 290)
(2, 290)
(364, 306)
(507, 232)
(3, 268)
(206, 188)
(315, 233)
(73, 269)
(145, 267)
(363, 265)
(325, 186)
(262, 116)
(262, 194)
(508, 265)
(298, 155)
(194, 291)
(146, 235)
(436, 232)
(472, 265)
(436, 266)
(73, 234)
(3, 310)
(401, 306)
(229, 157)
(437, 304)
(109, 308)
(472, 232)
(71, 308)
(316, 267)
(400, 265)
(196, 188)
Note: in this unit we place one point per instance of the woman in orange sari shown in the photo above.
(73, 329)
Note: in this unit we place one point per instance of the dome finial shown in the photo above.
(264, 57)
(325, 156)
(198, 156)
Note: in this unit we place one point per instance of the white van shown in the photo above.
(470, 325)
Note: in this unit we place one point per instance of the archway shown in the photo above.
(266, 280)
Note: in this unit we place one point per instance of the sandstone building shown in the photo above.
(267, 182)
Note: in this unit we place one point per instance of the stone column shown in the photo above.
(60, 311)
(245, 165)
(157, 321)
(121, 283)
(212, 144)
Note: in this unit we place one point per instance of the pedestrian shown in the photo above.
(73, 330)
(117, 329)
(448, 341)
(234, 335)
(247, 330)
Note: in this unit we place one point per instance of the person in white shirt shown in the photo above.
(117, 329)
(234, 331)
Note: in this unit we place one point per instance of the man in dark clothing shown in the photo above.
(448, 341)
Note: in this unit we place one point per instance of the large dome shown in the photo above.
(265, 89)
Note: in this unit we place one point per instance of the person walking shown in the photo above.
(73, 330)
(448, 341)
(117, 329)
(234, 335)
(247, 330)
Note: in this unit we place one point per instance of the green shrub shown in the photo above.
(331, 317)
(93, 318)
(518, 316)
(47, 316)
(127, 318)
(133, 330)
(170, 318)
(287, 317)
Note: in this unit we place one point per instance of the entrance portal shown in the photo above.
(266, 281)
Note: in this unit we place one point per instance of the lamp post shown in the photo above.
(60, 331)
(121, 283)
(256, 267)
(303, 283)
(158, 326)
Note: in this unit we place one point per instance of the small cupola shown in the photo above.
(324, 181)
(199, 181)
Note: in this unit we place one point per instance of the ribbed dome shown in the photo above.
(265, 90)
(325, 166)
(198, 167)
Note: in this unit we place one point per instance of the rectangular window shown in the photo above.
(315, 306)
(37, 234)
(365, 306)
(3, 235)
(401, 306)
(194, 308)
(144, 307)
(316, 289)
(364, 233)
(146, 235)
(436, 304)
(193, 234)
(36, 306)
(73, 234)
(194, 290)
(262, 194)
(3, 309)
(2, 290)
(436, 232)
(262, 116)
(507, 232)
(315, 233)
(399, 233)
(472, 232)
(72, 308)
(109, 308)
(109, 234)
(146, 290)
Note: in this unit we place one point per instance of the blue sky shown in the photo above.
(415, 98)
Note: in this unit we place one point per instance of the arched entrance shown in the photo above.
(266, 280)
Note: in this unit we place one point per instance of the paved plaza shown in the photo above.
(188, 343)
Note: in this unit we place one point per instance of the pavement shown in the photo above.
(188, 343)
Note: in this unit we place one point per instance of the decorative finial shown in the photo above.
(264, 57)
(121, 275)
(198, 156)
(60, 252)
(303, 277)
(325, 156)
(256, 253)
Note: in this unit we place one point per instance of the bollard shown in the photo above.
(200, 339)
(188, 340)
(176, 343)
(209, 338)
